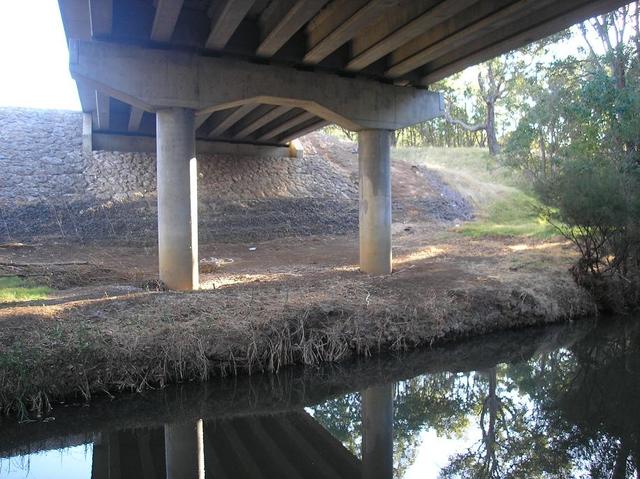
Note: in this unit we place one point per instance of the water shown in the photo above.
(555, 402)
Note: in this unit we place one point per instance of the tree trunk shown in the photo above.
(492, 139)
(620, 466)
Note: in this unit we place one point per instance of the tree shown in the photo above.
(493, 81)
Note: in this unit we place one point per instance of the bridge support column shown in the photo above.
(374, 160)
(184, 450)
(377, 432)
(177, 198)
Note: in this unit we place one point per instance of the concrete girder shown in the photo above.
(303, 131)
(101, 17)
(347, 30)
(276, 112)
(154, 79)
(165, 19)
(135, 117)
(407, 32)
(281, 20)
(147, 144)
(232, 119)
(560, 21)
(490, 23)
(226, 16)
(287, 125)
(102, 110)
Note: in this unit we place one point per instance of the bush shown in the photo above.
(597, 209)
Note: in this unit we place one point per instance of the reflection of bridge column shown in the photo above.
(184, 450)
(106, 457)
(375, 201)
(377, 432)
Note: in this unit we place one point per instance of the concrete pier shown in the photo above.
(375, 201)
(184, 450)
(377, 432)
(177, 199)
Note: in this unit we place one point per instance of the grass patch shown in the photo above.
(515, 215)
(502, 206)
(16, 289)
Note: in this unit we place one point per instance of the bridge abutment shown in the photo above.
(374, 157)
(177, 199)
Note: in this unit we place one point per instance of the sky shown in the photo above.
(35, 59)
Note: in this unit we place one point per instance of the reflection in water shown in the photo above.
(568, 410)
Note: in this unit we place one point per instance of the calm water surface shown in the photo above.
(544, 403)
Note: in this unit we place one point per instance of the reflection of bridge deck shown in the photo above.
(291, 444)
(282, 445)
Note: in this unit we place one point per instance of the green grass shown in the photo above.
(17, 289)
(514, 215)
(502, 206)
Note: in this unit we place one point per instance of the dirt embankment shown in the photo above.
(268, 303)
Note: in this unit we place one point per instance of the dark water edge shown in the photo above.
(555, 401)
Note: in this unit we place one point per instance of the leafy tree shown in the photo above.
(578, 141)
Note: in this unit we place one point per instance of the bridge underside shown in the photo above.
(240, 76)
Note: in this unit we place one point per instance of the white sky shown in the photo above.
(35, 59)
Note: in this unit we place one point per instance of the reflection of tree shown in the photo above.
(599, 406)
(342, 418)
(435, 401)
(571, 412)
(513, 443)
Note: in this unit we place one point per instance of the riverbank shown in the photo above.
(268, 305)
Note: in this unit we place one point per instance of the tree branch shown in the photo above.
(462, 124)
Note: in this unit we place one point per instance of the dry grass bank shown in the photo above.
(286, 310)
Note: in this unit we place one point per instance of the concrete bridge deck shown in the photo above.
(238, 74)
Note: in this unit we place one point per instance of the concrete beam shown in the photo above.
(87, 132)
(153, 79)
(281, 20)
(226, 16)
(165, 19)
(135, 117)
(232, 119)
(345, 32)
(275, 113)
(147, 144)
(303, 131)
(487, 24)
(287, 125)
(558, 23)
(102, 110)
(374, 159)
(101, 17)
(407, 32)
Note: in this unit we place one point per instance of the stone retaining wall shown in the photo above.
(51, 188)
